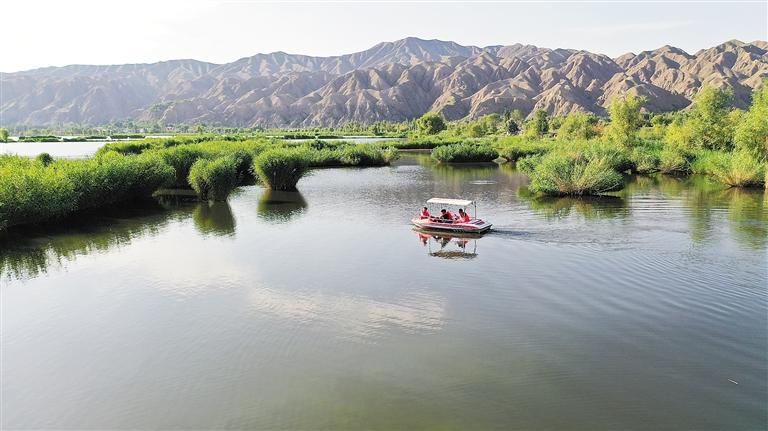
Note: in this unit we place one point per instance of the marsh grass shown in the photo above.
(31, 192)
(517, 148)
(214, 179)
(561, 174)
(464, 153)
(281, 168)
(739, 169)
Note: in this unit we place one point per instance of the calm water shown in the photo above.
(323, 309)
(81, 150)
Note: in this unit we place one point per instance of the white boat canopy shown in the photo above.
(458, 202)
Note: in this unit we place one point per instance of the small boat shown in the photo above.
(474, 225)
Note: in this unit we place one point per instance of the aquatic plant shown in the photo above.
(516, 148)
(464, 153)
(739, 169)
(214, 179)
(281, 168)
(644, 160)
(31, 192)
(561, 174)
(673, 161)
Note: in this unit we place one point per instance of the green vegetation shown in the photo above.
(463, 153)
(561, 174)
(626, 120)
(515, 148)
(751, 133)
(32, 192)
(44, 159)
(281, 168)
(42, 189)
(214, 179)
(431, 123)
(3, 134)
(738, 169)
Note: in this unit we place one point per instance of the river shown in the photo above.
(324, 309)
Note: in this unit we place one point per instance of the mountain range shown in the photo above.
(391, 81)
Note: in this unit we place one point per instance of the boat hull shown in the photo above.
(473, 226)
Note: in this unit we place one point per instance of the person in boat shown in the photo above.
(424, 213)
(446, 216)
(463, 216)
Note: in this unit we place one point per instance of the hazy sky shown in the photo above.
(56, 33)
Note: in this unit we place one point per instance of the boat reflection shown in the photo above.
(449, 246)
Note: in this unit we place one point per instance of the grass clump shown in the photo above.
(673, 161)
(281, 168)
(561, 174)
(517, 148)
(464, 153)
(215, 179)
(739, 169)
(644, 160)
(44, 159)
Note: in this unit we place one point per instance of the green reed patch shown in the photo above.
(464, 153)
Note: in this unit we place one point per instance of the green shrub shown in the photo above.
(739, 169)
(516, 148)
(281, 168)
(45, 159)
(644, 160)
(673, 161)
(528, 164)
(362, 155)
(464, 153)
(181, 159)
(561, 174)
(214, 179)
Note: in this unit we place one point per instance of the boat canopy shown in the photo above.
(458, 202)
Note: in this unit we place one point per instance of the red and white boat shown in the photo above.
(474, 225)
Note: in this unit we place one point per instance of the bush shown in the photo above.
(214, 179)
(644, 160)
(181, 159)
(528, 164)
(431, 123)
(513, 149)
(45, 159)
(281, 168)
(673, 161)
(739, 169)
(562, 174)
(362, 155)
(463, 153)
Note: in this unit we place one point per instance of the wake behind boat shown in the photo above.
(447, 221)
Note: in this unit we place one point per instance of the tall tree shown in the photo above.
(626, 119)
(431, 123)
(752, 131)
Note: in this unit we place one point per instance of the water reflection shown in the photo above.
(588, 207)
(214, 218)
(445, 246)
(748, 216)
(281, 206)
(29, 251)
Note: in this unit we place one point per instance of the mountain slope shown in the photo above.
(392, 81)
